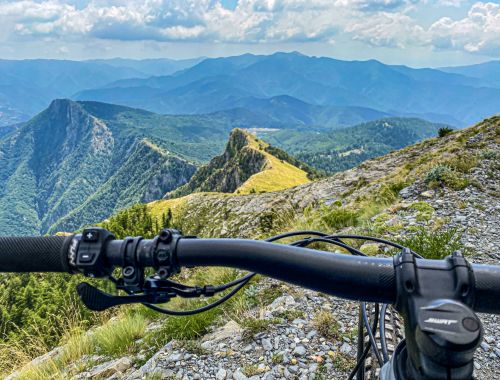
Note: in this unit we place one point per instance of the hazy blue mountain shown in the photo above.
(28, 86)
(341, 149)
(6, 129)
(218, 84)
(77, 163)
(488, 72)
(150, 67)
(292, 112)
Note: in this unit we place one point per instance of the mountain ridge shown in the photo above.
(209, 85)
(75, 163)
(247, 165)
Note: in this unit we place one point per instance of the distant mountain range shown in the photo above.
(290, 88)
(221, 83)
(488, 73)
(28, 86)
(150, 67)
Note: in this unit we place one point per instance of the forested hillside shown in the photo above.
(77, 163)
(337, 150)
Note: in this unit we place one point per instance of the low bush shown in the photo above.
(339, 217)
(434, 244)
(462, 163)
(424, 211)
(442, 175)
(445, 131)
(490, 154)
(327, 325)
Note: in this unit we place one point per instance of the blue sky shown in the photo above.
(412, 32)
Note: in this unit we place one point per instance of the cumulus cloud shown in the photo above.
(375, 22)
(388, 29)
(478, 32)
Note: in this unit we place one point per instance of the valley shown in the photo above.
(78, 162)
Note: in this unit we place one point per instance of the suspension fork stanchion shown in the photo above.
(360, 375)
(442, 332)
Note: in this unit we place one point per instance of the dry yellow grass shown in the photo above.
(277, 175)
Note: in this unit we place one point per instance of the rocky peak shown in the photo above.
(225, 173)
(238, 139)
(247, 165)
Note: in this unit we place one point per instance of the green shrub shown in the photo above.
(339, 217)
(442, 175)
(489, 154)
(436, 173)
(434, 244)
(462, 163)
(445, 131)
(424, 211)
(380, 224)
(386, 194)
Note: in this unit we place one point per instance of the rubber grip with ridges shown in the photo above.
(34, 254)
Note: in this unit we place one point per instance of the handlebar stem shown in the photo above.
(442, 332)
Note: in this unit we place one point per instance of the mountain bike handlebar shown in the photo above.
(35, 254)
(437, 298)
(370, 279)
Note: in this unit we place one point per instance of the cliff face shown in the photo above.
(227, 172)
(67, 167)
(244, 160)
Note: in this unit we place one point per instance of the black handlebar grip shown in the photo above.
(34, 254)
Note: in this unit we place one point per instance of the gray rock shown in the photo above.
(248, 348)
(221, 374)
(299, 350)
(175, 357)
(229, 330)
(110, 368)
(238, 375)
(345, 348)
(311, 334)
(266, 344)
(485, 346)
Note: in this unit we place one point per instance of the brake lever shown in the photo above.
(154, 284)
(97, 300)
(155, 290)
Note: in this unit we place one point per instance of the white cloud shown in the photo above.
(388, 29)
(374, 22)
(478, 32)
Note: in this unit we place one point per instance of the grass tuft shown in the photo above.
(327, 325)
(434, 244)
